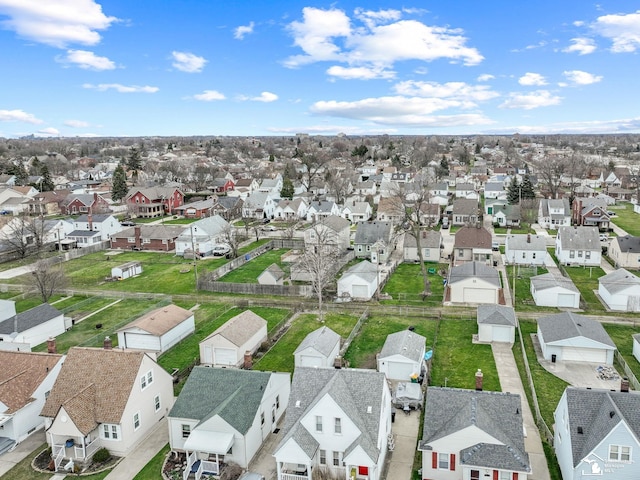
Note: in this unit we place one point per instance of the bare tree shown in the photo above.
(290, 227)
(550, 169)
(339, 186)
(23, 234)
(233, 238)
(529, 210)
(46, 279)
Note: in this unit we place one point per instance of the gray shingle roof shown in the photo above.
(628, 243)
(430, 239)
(364, 270)
(473, 237)
(579, 238)
(496, 315)
(29, 319)
(406, 343)
(546, 281)
(369, 233)
(448, 411)
(527, 242)
(567, 325)
(323, 340)
(474, 269)
(464, 206)
(619, 280)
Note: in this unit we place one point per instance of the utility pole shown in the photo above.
(195, 257)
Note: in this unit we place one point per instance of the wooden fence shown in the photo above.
(633, 381)
(256, 288)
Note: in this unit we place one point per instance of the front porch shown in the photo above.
(205, 452)
(68, 450)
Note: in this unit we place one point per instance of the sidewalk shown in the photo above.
(510, 382)
(9, 460)
(16, 272)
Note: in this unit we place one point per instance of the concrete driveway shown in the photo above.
(399, 462)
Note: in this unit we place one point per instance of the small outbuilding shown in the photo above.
(620, 291)
(226, 347)
(126, 270)
(636, 346)
(474, 282)
(360, 281)
(158, 330)
(402, 356)
(496, 323)
(549, 290)
(318, 349)
(272, 275)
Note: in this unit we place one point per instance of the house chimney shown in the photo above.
(337, 362)
(137, 235)
(528, 238)
(108, 345)
(90, 221)
(479, 380)
(51, 345)
(624, 384)
(248, 360)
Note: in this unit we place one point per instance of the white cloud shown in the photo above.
(467, 94)
(76, 123)
(328, 35)
(240, 32)
(360, 73)
(622, 29)
(209, 96)
(530, 79)
(265, 97)
(581, 46)
(49, 132)
(87, 60)
(578, 77)
(578, 23)
(103, 87)
(333, 130)
(485, 77)
(588, 127)
(56, 22)
(188, 62)
(18, 116)
(529, 101)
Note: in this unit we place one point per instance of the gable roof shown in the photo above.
(526, 242)
(619, 280)
(275, 271)
(465, 206)
(29, 319)
(364, 270)
(407, 343)
(234, 395)
(161, 320)
(240, 328)
(565, 325)
(474, 269)
(579, 238)
(334, 222)
(429, 239)
(322, 339)
(368, 233)
(154, 193)
(628, 243)
(547, 281)
(93, 386)
(449, 410)
(496, 315)
(152, 232)
(472, 237)
(21, 374)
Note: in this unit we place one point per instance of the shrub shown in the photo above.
(101, 455)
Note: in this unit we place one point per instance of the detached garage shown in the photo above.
(126, 270)
(402, 356)
(360, 281)
(496, 323)
(226, 347)
(475, 283)
(158, 330)
(569, 337)
(318, 349)
(548, 290)
(620, 291)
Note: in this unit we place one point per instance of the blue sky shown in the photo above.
(212, 67)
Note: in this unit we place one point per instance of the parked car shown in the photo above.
(128, 223)
(266, 220)
(220, 250)
(445, 222)
(269, 228)
(604, 237)
(495, 246)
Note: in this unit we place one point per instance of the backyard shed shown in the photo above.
(402, 355)
(496, 323)
(126, 270)
(549, 290)
(318, 349)
(620, 291)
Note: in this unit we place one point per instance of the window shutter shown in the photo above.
(434, 460)
(515, 476)
(452, 462)
(495, 475)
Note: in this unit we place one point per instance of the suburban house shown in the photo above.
(362, 189)
(198, 209)
(590, 212)
(474, 282)
(158, 330)
(430, 243)
(223, 415)
(506, 215)
(25, 381)
(596, 433)
(154, 201)
(390, 210)
(272, 275)
(329, 231)
(373, 241)
(494, 190)
(126, 270)
(578, 246)
(25, 330)
(48, 203)
(549, 290)
(402, 356)
(319, 209)
(200, 237)
(295, 209)
(494, 204)
(620, 291)
(320, 348)
(271, 185)
(553, 214)
(244, 187)
(464, 212)
(239, 336)
(466, 190)
(496, 323)
(472, 244)
(222, 184)
(259, 205)
(521, 249)
(159, 238)
(76, 203)
(569, 337)
(357, 211)
(228, 207)
(625, 251)
(92, 229)
(473, 435)
(108, 398)
(338, 421)
(359, 282)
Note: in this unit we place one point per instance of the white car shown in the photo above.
(220, 250)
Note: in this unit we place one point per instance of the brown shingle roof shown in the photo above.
(160, 320)
(21, 374)
(473, 237)
(240, 328)
(94, 386)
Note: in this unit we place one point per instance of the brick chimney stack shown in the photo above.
(479, 377)
(108, 344)
(624, 384)
(90, 221)
(248, 360)
(51, 345)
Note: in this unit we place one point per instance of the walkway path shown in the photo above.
(8, 460)
(405, 431)
(510, 382)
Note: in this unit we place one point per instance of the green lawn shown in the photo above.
(524, 299)
(627, 219)
(621, 336)
(586, 279)
(152, 470)
(406, 285)
(249, 272)
(180, 221)
(280, 357)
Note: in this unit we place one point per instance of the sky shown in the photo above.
(256, 68)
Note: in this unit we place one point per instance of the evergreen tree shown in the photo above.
(287, 188)
(134, 161)
(527, 188)
(119, 184)
(443, 169)
(513, 192)
(46, 185)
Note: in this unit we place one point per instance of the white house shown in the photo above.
(625, 251)
(357, 211)
(104, 398)
(473, 435)
(496, 323)
(259, 205)
(494, 190)
(430, 242)
(578, 246)
(25, 381)
(337, 420)
(402, 356)
(272, 275)
(332, 230)
(224, 415)
(525, 249)
(32, 327)
(227, 345)
(466, 190)
(94, 228)
(319, 209)
(318, 349)
(158, 330)
(620, 291)
(549, 290)
(295, 209)
(595, 434)
(202, 236)
(569, 337)
(360, 281)
(474, 282)
(553, 214)
(126, 270)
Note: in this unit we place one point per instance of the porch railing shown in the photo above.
(207, 467)
(191, 459)
(293, 476)
(58, 457)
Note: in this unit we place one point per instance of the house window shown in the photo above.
(587, 254)
(618, 453)
(186, 430)
(533, 255)
(131, 239)
(318, 423)
(136, 421)
(277, 402)
(579, 253)
(524, 254)
(572, 254)
(475, 475)
(323, 457)
(336, 459)
(156, 402)
(337, 427)
(460, 252)
(504, 476)
(443, 461)
(146, 380)
(146, 240)
(110, 431)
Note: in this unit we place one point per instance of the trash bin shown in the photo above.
(495, 263)
(553, 358)
(393, 416)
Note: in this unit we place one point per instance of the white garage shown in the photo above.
(224, 356)
(569, 337)
(548, 290)
(474, 283)
(478, 295)
(496, 323)
(402, 356)
(318, 349)
(620, 291)
(360, 281)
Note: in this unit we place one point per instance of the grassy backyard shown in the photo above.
(406, 285)
(249, 272)
(586, 279)
(622, 337)
(627, 219)
(524, 299)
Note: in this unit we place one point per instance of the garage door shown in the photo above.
(479, 295)
(399, 370)
(566, 300)
(224, 356)
(310, 361)
(141, 341)
(584, 355)
(501, 334)
(360, 291)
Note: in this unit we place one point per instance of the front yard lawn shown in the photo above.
(406, 285)
(153, 469)
(627, 219)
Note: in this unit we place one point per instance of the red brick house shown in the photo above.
(78, 203)
(222, 185)
(590, 212)
(48, 203)
(154, 201)
(159, 238)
